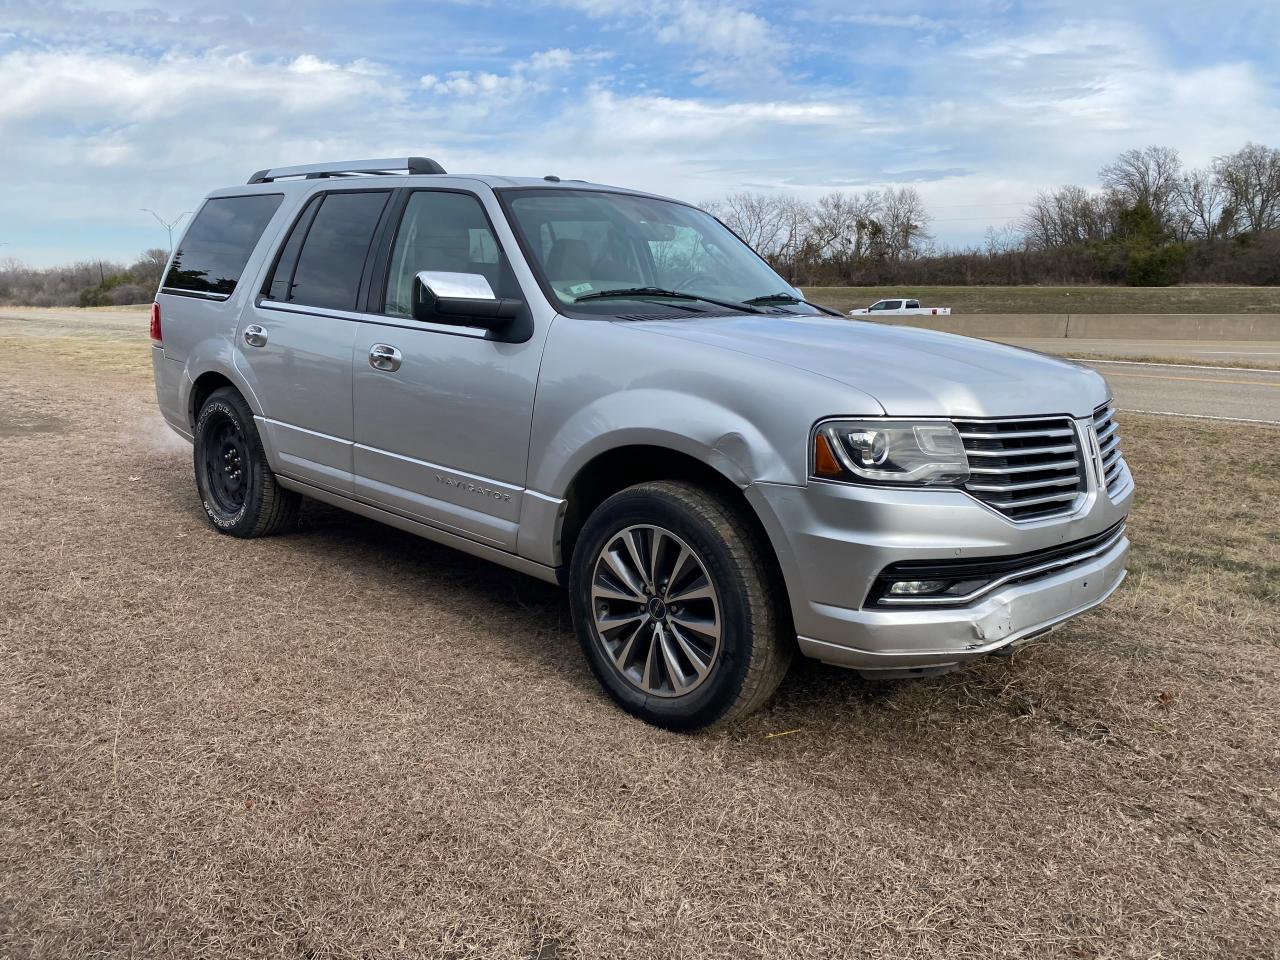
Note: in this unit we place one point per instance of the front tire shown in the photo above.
(239, 492)
(677, 607)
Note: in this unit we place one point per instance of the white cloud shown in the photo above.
(526, 77)
(83, 86)
(735, 45)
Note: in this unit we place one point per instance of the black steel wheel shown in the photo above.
(237, 488)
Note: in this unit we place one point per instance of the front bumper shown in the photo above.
(833, 539)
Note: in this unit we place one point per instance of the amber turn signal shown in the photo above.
(824, 461)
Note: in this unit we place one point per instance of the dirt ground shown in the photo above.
(348, 742)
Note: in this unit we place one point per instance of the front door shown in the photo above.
(295, 343)
(442, 429)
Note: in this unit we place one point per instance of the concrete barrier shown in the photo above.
(1103, 326)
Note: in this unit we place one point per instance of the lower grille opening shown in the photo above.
(962, 582)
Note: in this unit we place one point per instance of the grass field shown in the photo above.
(347, 742)
(1063, 299)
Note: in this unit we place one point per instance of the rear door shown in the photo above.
(295, 342)
(444, 437)
(207, 268)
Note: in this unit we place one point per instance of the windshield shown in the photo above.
(584, 243)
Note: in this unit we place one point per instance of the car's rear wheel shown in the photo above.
(676, 606)
(237, 488)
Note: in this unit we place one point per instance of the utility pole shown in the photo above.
(167, 224)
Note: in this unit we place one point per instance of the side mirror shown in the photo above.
(462, 298)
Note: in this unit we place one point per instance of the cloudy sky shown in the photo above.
(107, 107)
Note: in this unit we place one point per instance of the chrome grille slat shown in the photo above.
(1023, 452)
(1051, 498)
(1027, 468)
(1016, 435)
(1056, 465)
(1032, 485)
(1107, 430)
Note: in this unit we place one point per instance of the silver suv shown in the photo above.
(611, 391)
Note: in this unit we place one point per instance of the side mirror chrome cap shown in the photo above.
(469, 286)
(463, 298)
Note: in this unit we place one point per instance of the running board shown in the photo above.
(509, 560)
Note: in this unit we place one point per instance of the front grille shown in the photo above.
(1104, 426)
(1027, 469)
(974, 578)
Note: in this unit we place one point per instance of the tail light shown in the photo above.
(156, 334)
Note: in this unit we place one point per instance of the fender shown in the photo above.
(701, 428)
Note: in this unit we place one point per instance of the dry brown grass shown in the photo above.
(1249, 364)
(349, 742)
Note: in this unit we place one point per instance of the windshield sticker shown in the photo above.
(580, 288)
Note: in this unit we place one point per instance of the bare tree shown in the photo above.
(906, 223)
(1204, 205)
(1067, 217)
(758, 218)
(1252, 177)
(843, 224)
(1147, 176)
(793, 245)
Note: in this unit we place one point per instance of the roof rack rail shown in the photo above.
(316, 171)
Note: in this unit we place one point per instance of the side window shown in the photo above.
(913, 304)
(880, 305)
(219, 242)
(447, 232)
(333, 251)
(893, 304)
(280, 283)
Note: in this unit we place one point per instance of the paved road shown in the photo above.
(1195, 391)
(1182, 390)
(1259, 352)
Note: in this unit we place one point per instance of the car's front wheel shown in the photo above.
(237, 487)
(676, 606)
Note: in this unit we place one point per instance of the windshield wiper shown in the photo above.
(659, 292)
(785, 297)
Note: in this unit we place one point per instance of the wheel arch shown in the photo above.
(624, 466)
(202, 387)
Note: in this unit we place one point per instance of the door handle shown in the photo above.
(255, 336)
(383, 356)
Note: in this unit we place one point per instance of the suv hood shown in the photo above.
(909, 371)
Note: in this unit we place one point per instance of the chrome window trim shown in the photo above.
(381, 319)
(197, 294)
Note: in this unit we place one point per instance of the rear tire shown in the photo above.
(239, 492)
(677, 606)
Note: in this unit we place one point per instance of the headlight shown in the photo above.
(888, 451)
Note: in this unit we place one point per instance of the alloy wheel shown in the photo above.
(656, 611)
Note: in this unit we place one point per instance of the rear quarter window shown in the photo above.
(219, 242)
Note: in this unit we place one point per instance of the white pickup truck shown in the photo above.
(900, 308)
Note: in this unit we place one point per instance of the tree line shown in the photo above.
(90, 283)
(1150, 221)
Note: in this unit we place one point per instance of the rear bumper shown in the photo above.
(168, 376)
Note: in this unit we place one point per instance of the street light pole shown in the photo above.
(167, 224)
